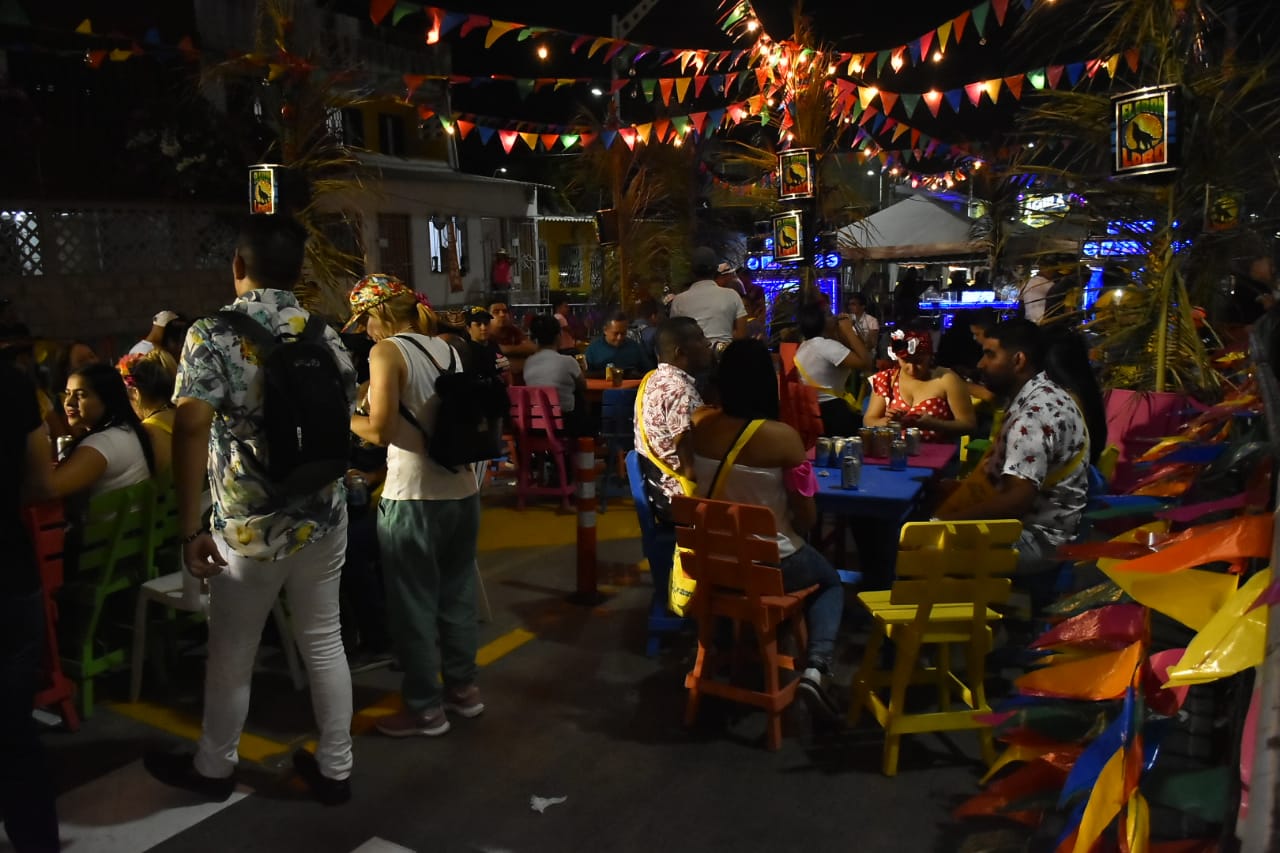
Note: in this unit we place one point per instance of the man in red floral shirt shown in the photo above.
(1040, 463)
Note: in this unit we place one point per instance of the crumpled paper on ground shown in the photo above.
(540, 804)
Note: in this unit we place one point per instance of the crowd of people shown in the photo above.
(190, 405)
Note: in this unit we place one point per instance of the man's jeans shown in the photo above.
(26, 786)
(240, 600)
(429, 567)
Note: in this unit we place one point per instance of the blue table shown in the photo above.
(883, 495)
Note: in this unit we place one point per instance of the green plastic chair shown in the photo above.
(116, 554)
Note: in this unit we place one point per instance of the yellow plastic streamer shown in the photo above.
(1116, 783)
(1233, 640)
(1192, 596)
(1137, 826)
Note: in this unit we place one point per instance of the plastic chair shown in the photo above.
(539, 428)
(180, 591)
(617, 433)
(659, 550)
(787, 356)
(739, 579)
(950, 573)
(47, 527)
(114, 556)
(799, 409)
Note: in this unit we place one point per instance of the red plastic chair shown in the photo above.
(539, 428)
(47, 526)
(799, 409)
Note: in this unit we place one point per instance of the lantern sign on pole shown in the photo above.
(788, 237)
(264, 188)
(796, 174)
(1144, 132)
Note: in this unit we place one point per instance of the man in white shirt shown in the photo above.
(156, 335)
(825, 364)
(1035, 293)
(718, 311)
(866, 326)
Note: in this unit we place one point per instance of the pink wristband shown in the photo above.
(801, 479)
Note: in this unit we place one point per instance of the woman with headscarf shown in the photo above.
(918, 394)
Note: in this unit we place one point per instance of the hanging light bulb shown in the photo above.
(937, 56)
(897, 60)
(543, 53)
(752, 25)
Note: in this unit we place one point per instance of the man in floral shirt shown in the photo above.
(1039, 465)
(665, 410)
(260, 540)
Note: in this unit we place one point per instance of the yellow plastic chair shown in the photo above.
(950, 573)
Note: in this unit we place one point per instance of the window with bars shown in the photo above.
(448, 233)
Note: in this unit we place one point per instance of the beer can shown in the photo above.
(881, 442)
(914, 437)
(823, 453)
(64, 442)
(867, 434)
(898, 455)
(850, 472)
(837, 450)
(357, 490)
(853, 447)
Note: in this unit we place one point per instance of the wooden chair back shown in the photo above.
(729, 547)
(118, 536)
(535, 410)
(955, 562)
(798, 408)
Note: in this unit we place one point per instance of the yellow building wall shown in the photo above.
(557, 235)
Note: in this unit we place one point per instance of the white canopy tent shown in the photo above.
(917, 228)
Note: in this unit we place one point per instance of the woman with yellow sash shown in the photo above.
(825, 364)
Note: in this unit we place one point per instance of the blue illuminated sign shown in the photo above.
(757, 263)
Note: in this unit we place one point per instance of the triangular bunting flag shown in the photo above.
(699, 83)
(980, 13)
(586, 138)
(887, 100)
(661, 128)
(682, 87)
(666, 84)
(680, 124)
(643, 131)
(974, 91)
(762, 78)
(403, 10)
(954, 97)
(899, 130)
(597, 44)
(915, 138)
(1001, 7)
(699, 121)
(85, 28)
(925, 41)
(1054, 75)
(959, 21)
(867, 94)
(1074, 70)
(628, 135)
(1036, 78)
(578, 43)
(992, 88)
(1131, 59)
(932, 99)
(618, 46)
(378, 9)
(485, 133)
(607, 137)
(881, 58)
(568, 140)
(508, 139)
(867, 115)
(549, 140)
(714, 119)
(452, 20)
(464, 128)
(411, 84)
(877, 123)
(944, 33)
(497, 30)
(561, 82)
(1113, 62)
(648, 85)
(474, 22)
(910, 103)
(1091, 67)
(530, 139)
(1015, 85)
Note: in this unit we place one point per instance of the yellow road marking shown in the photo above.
(257, 749)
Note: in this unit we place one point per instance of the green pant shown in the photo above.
(428, 554)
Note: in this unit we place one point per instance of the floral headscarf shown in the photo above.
(909, 342)
(373, 290)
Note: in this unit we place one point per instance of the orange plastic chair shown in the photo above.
(738, 578)
(799, 409)
(47, 526)
(539, 428)
(787, 355)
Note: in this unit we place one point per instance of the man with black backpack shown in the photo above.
(264, 396)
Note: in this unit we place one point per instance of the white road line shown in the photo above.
(380, 845)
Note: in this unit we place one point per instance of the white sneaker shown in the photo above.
(813, 689)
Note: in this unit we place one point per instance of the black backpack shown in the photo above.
(468, 425)
(306, 415)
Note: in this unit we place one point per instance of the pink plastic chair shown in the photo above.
(539, 428)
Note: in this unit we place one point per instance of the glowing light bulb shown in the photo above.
(897, 61)
(753, 25)
(977, 164)
(543, 53)
(831, 69)
(937, 56)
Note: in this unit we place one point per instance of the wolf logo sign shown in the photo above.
(788, 237)
(795, 173)
(1144, 132)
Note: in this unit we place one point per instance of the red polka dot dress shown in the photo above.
(885, 384)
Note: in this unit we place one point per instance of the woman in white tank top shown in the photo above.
(771, 470)
(428, 517)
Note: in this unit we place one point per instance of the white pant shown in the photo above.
(240, 600)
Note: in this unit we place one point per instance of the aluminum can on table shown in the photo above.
(914, 437)
(854, 447)
(850, 472)
(868, 436)
(898, 455)
(882, 442)
(823, 453)
(838, 445)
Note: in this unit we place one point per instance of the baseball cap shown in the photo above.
(478, 315)
(725, 268)
(164, 318)
(703, 260)
(370, 292)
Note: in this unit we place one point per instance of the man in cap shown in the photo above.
(718, 311)
(155, 337)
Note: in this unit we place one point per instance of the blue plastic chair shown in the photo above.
(617, 422)
(659, 549)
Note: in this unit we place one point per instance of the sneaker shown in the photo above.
(330, 792)
(813, 689)
(407, 724)
(464, 701)
(178, 770)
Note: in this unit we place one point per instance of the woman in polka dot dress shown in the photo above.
(917, 394)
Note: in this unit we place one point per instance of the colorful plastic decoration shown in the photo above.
(1103, 676)
(1233, 640)
(1103, 628)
